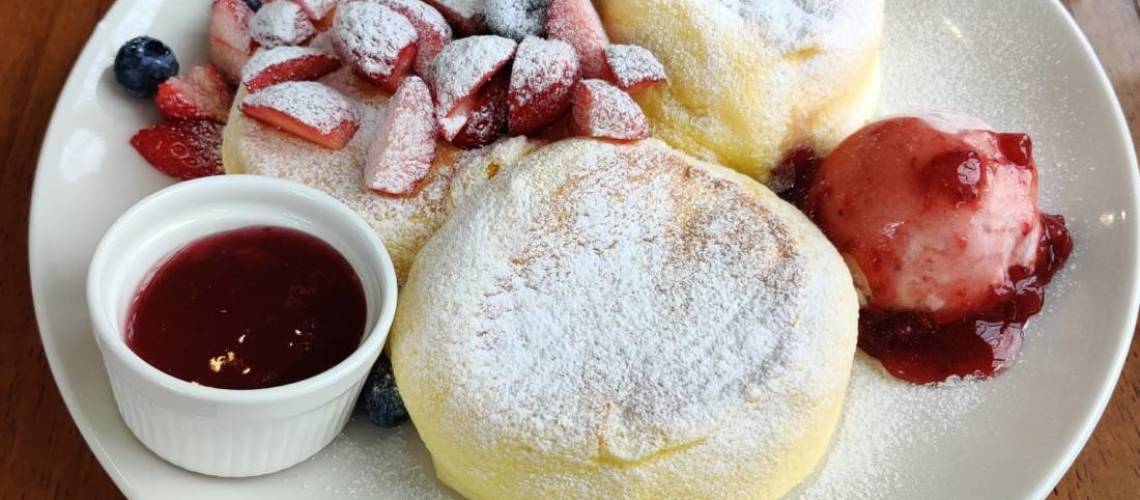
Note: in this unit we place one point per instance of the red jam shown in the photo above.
(914, 346)
(250, 308)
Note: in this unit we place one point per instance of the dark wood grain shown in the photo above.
(42, 454)
(1109, 466)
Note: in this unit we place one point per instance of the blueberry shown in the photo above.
(255, 5)
(381, 398)
(142, 64)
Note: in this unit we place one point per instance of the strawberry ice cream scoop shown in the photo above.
(931, 212)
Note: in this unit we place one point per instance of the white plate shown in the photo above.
(1020, 64)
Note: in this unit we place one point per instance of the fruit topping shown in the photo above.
(254, 5)
(604, 111)
(542, 82)
(201, 94)
(309, 110)
(431, 27)
(378, 42)
(142, 64)
(958, 173)
(516, 19)
(488, 118)
(1017, 148)
(460, 70)
(937, 218)
(400, 156)
(316, 9)
(281, 23)
(185, 149)
(929, 213)
(577, 23)
(465, 16)
(633, 68)
(381, 398)
(230, 43)
(283, 64)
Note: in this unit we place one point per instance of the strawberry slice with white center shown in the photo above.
(576, 22)
(230, 43)
(466, 16)
(460, 70)
(185, 149)
(284, 64)
(487, 121)
(633, 68)
(309, 110)
(200, 94)
(542, 81)
(378, 42)
(432, 28)
(281, 23)
(400, 156)
(604, 111)
(316, 9)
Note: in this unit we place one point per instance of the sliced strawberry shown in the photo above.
(432, 28)
(184, 149)
(633, 68)
(460, 70)
(604, 111)
(542, 81)
(577, 23)
(283, 64)
(230, 43)
(466, 16)
(488, 119)
(400, 157)
(309, 110)
(316, 9)
(200, 94)
(281, 23)
(378, 42)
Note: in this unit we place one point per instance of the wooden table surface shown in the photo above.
(42, 454)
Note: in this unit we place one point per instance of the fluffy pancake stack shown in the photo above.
(751, 79)
(624, 321)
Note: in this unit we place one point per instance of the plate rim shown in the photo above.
(56, 124)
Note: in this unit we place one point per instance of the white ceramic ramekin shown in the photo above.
(224, 432)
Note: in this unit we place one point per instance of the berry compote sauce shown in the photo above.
(249, 308)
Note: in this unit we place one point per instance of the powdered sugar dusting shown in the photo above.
(540, 65)
(632, 65)
(462, 8)
(885, 418)
(466, 64)
(748, 78)
(316, 105)
(577, 23)
(516, 19)
(317, 9)
(372, 36)
(432, 28)
(787, 22)
(602, 110)
(281, 23)
(404, 223)
(402, 152)
(267, 58)
(366, 462)
(618, 303)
